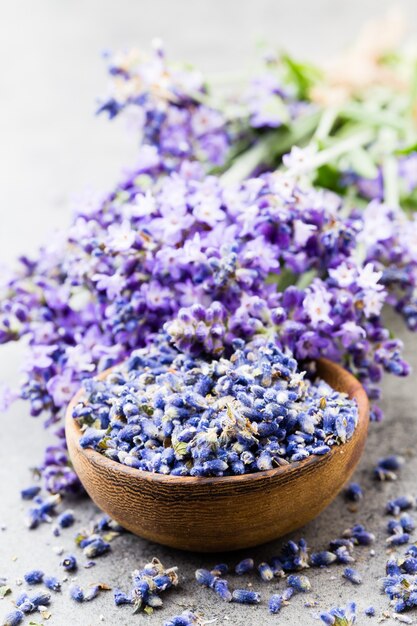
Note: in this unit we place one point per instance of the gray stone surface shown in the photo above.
(51, 147)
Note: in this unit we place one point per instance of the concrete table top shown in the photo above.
(51, 148)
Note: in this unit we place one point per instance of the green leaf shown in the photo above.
(304, 75)
(407, 150)
(180, 448)
(5, 590)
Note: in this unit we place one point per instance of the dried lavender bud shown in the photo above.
(244, 596)
(370, 611)
(148, 584)
(24, 603)
(407, 523)
(299, 583)
(352, 575)
(343, 556)
(275, 396)
(204, 577)
(121, 598)
(359, 535)
(386, 467)
(265, 572)
(245, 566)
(187, 618)
(322, 559)
(30, 492)
(76, 593)
(14, 618)
(66, 519)
(354, 492)
(221, 588)
(34, 577)
(69, 563)
(339, 616)
(275, 603)
(95, 548)
(40, 599)
(220, 570)
(398, 539)
(52, 583)
(402, 503)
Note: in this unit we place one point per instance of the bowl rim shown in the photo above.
(357, 392)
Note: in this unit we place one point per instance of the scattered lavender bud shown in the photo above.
(40, 599)
(265, 572)
(52, 583)
(66, 519)
(370, 611)
(343, 556)
(204, 577)
(359, 535)
(398, 539)
(221, 587)
(407, 523)
(386, 467)
(402, 503)
(244, 596)
(30, 492)
(339, 616)
(220, 570)
(352, 575)
(245, 566)
(322, 559)
(121, 598)
(187, 618)
(275, 603)
(76, 593)
(69, 563)
(354, 492)
(96, 548)
(34, 577)
(299, 583)
(14, 618)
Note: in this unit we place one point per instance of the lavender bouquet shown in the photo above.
(282, 208)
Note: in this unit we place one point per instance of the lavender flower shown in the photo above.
(14, 618)
(187, 618)
(244, 566)
(352, 575)
(340, 616)
(34, 577)
(244, 596)
(148, 584)
(354, 492)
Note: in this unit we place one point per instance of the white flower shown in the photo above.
(368, 278)
(209, 212)
(299, 158)
(377, 224)
(343, 275)
(317, 305)
(373, 302)
(121, 237)
(302, 232)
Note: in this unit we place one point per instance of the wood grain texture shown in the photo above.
(223, 513)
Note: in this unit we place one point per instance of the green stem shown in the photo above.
(327, 121)
(268, 148)
(390, 178)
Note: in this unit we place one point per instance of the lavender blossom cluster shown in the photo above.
(270, 256)
(168, 108)
(167, 412)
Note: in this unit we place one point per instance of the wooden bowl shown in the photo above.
(228, 512)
